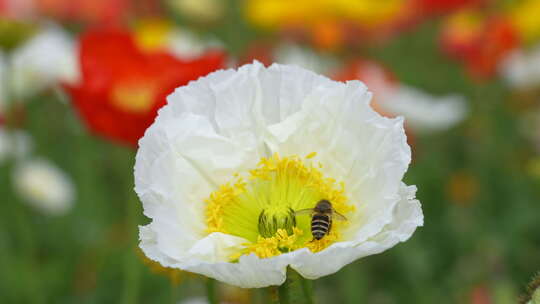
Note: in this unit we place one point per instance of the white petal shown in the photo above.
(44, 186)
(46, 59)
(179, 163)
(216, 247)
(249, 272)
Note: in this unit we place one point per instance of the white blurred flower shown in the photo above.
(46, 59)
(306, 58)
(44, 186)
(422, 111)
(186, 45)
(194, 300)
(16, 144)
(231, 157)
(521, 69)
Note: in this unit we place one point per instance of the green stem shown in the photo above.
(307, 287)
(284, 292)
(211, 291)
(174, 293)
(296, 289)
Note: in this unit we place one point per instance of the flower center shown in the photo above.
(272, 219)
(261, 206)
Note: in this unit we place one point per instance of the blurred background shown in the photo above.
(81, 81)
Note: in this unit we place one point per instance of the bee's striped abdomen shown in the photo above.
(320, 225)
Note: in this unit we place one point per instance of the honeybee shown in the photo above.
(321, 218)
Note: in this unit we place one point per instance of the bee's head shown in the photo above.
(323, 206)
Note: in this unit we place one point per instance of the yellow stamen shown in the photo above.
(311, 155)
(260, 208)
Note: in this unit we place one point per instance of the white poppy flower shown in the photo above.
(423, 112)
(521, 69)
(44, 186)
(46, 59)
(232, 157)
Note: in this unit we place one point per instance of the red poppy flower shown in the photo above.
(460, 33)
(498, 40)
(478, 41)
(122, 87)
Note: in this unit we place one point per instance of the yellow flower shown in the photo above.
(526, 18)
(278, 13)
(152, 34)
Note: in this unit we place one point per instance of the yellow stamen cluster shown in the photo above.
(219, 201)
(275, 189)
(272, 246)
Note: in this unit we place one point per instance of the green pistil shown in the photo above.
(270, 220)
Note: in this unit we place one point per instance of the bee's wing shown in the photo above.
(338, 216)
(308, 211)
